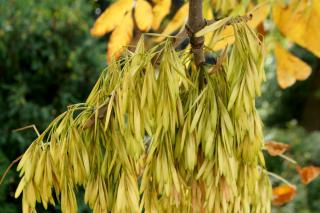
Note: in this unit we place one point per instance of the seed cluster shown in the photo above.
(157, 134)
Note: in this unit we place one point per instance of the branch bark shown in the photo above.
(196, 23)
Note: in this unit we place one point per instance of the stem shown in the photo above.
(280, 178)
(196, 23)
(9, 167)
(28, 127)
(288, 159)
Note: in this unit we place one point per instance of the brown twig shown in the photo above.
(195, 23)
(180, 37)
(9, 167)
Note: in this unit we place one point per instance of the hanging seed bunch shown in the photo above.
(157, 134)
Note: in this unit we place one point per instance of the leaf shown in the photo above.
(208, 15)
(120, 37)
(143, 15)
(160, 10)
(177, 21)
(289, 67)
(111, 17)
(275, 148)
(283, 194)
(308, 173)
(299, 22)
(259, 14)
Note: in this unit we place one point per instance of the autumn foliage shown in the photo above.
(298, 21)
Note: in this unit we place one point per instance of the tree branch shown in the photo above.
(196, 23)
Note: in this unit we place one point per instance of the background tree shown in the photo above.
(48, 60)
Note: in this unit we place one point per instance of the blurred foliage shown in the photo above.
(305, 149)
(282, 112)
(279, 106)
(48, 60)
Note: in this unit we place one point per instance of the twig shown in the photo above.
(195, 23)
(276, 176)
(18, 158)
(161, 35)
(280, 178)
(288, 159)
(28, 127)
(9, 167)
(284, 157)
(180, 37)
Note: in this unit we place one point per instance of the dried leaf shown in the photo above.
(275, 148)
(299, 22)
(120, 37)
(308, 173)
(143, 15)
(111, 17)
(289, 67)
(160, 10)
(283, 194)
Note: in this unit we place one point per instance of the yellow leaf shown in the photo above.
(289, 67)
(111, 17)
(207, 14)
(299, 22)
(283, 194)
(143, 15)
(160, 10)
(120, 37)
(259, 14)
(177, 21)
